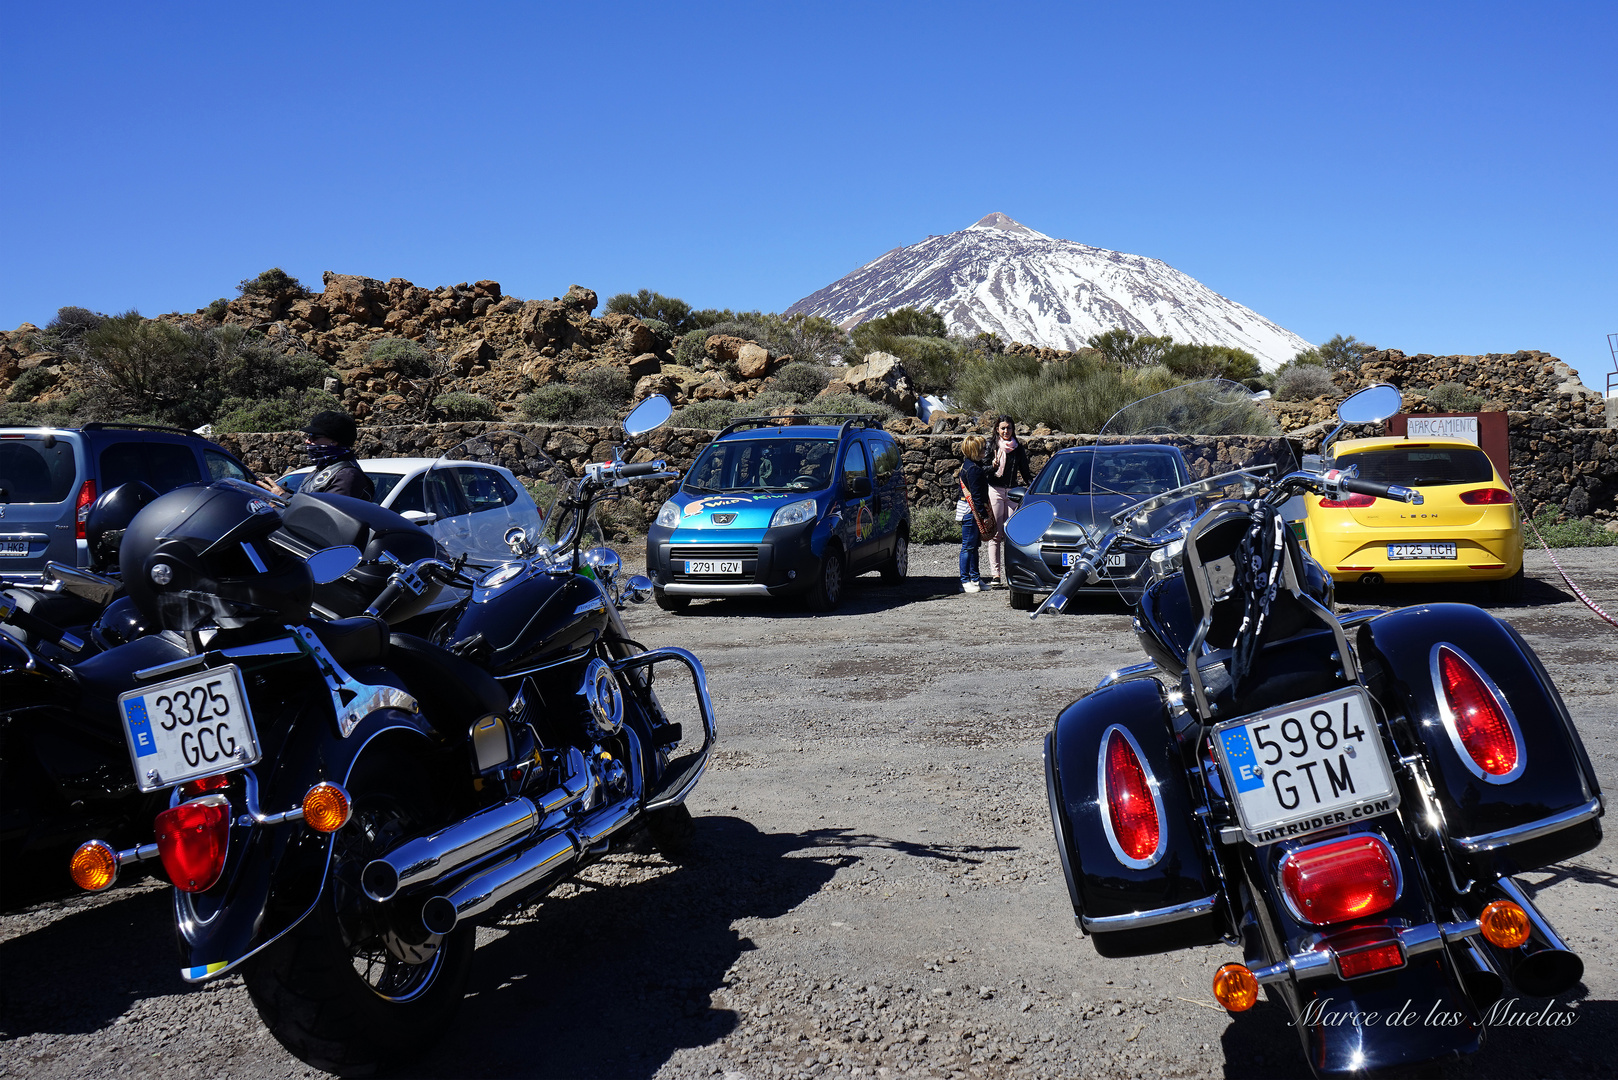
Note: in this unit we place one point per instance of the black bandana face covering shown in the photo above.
(321, 454)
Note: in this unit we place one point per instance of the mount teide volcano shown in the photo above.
(1004, 278)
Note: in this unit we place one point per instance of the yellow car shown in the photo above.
(1466, 529)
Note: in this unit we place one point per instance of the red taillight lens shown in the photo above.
(81, 507)
(1487, 497)
(1480, 722)
(1131, 807)
(193, 788)
(1368, 959)
(1352, 500)
(192, 840)
(1350, 878)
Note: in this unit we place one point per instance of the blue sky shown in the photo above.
(1436, 178)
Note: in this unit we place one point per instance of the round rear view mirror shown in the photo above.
(1371, 405)
(1029, 524)
(650, 414)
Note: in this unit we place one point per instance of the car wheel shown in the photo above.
(827, 591)
(1021, 601)
(670, 603)
(897, 568)
(1509, 591)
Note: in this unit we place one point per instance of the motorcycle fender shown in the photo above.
(1546, 811)
(1174, 902)
(276, 873)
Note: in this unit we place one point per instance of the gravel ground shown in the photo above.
(873, 890)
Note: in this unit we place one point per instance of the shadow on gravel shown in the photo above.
(1537, 592)
(81, 972)
(862, 596)
(611, 980)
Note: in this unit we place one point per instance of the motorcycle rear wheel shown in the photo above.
(349, 989)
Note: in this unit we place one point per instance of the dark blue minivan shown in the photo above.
(783, 505)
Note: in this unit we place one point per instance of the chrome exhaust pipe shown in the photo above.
(428, 859)
(1373, 580)
(440, 914)
(1484, 984)
(1543, 966)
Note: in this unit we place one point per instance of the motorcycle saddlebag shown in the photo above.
(1167, 898)
(1546, 806)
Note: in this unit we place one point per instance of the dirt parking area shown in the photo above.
(873, 890)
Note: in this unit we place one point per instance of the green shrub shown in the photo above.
(1126, 349)
(409, 358)
(1561, 531)
(801, 378)
(218, 309)
(873, 334)
(934, 525)
(1303, 382)
(554, 403)
(1211, 362)
(286, 411)
(672, 313)
(1453, 397)
(712, 414)
(1077, 395)
(1343, 353)
(664, 332)
(30, 384)
(274, 284)
(73, 322)
(932, 362)
(852, 404)
(690, 351)
(457, 405)
(761, 403)
(604, 386)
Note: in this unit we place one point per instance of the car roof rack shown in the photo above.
(844, 420)
(103, 425)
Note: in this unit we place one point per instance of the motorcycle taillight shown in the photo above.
(1339, 880)
(192, 840)
(1480, 723)
(1132, 811)
(1351, 501)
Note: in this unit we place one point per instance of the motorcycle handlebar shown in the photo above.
(1380, 490)
(640, 468)
(1067, 588)
(29, 623)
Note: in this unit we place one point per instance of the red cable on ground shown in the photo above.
(1589, 603)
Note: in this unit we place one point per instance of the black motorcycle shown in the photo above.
(346, 802)
(1344, 799)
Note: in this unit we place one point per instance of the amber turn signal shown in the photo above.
(326, 807)
(94, 866)
(1235, 988)
(1504, 924)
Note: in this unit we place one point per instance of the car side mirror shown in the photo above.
(858, 487)
(1016, 494)
(1029, 524)
(420, 517)
(650, 414)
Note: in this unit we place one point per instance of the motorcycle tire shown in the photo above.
(1020, 601)
(670, 603)
(827, 591)
(336, 990)
(897, 568)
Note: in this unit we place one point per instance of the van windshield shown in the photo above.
(763, 465)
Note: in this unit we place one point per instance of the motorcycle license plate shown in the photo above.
(190, 727)
(713, 566)
(13, 547)
(1310, 765)
(1421, 551)
(1070, 557)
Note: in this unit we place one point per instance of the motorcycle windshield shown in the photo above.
(1156, 505)
(498, 497)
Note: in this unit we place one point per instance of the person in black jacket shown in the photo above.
(972, 511)
(329, 442)
(1007, 460)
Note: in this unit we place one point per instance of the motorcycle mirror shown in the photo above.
(649, 415)
(1371, 405)
(1029, 524)
(329, 564)
(638, 589)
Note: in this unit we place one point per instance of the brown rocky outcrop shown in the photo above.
(882, 378)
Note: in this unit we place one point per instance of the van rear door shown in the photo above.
(40, 474)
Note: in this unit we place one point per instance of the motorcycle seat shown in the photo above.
(359, 640)
(452, 692)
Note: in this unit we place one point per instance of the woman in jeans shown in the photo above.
(972, 510)
(1007, 461)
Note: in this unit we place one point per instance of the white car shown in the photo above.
(483, 500)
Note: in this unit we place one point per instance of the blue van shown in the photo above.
(780, 506)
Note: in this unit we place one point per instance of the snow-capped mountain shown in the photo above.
(1004, 278)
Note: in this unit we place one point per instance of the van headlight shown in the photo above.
(668, 515)
(794, 513)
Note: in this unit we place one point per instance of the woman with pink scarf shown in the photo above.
(1007, 461)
